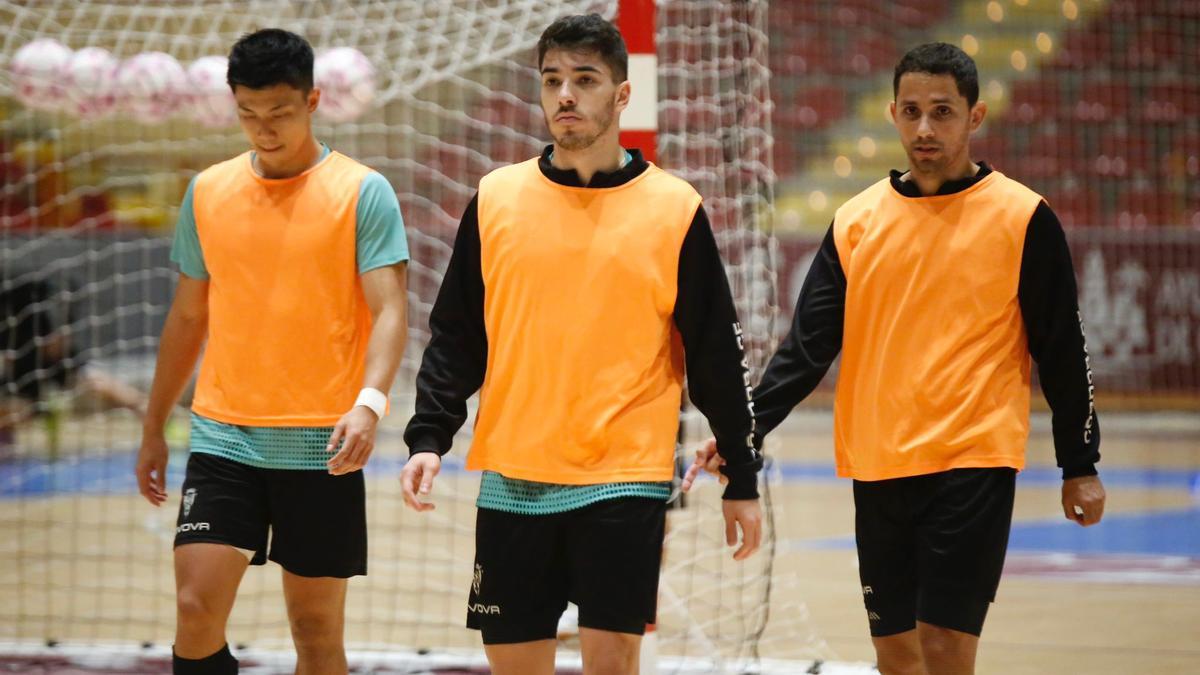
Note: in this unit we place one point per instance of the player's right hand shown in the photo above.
(151, 468)
(708, 460)
(416, 481)
(744, 515)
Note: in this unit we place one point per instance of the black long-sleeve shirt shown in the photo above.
(1049, 304)
(455, 360)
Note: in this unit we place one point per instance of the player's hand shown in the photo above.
(746, 515)
(151, 468)
(416, 481)
(1083, 499)
(356, 432)
(708, 460)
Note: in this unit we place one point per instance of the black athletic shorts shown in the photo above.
(317, 523)
(931, 548)
(604, 557)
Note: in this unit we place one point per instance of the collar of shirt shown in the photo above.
(908, 188)
(569, 178)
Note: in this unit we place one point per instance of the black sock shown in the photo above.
(220, 663)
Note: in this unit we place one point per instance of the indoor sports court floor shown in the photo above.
(1122, 597)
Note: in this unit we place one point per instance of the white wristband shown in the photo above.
(374, 399)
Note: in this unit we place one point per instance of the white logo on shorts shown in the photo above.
(192, 527)
(189, 498)
(867, 590)
(872, 616)
(478, 607)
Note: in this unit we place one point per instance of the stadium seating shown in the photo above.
(1101, 115)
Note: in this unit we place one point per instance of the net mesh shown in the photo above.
(87, 208)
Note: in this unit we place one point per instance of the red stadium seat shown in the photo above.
(1075, 206)
(813, 108)
(906, 13)
(1046, 155)
(990, 148)
(1181, 160)
(869, 54)
(1124, 153)
(1101, 102)
(1171, 103)
(1084, 49)
(811, 55)
(1034, 101)
(797, 13)
(1144, 206)
(1154, 48)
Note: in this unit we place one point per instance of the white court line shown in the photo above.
(275, 662)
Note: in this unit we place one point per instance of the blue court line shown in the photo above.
(1175, 532)
(1167, 533)
(1038, 476)
(113, 474)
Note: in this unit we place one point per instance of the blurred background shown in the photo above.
(777, 113)
(1095, 105)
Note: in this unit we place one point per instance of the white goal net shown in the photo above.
(87, 208)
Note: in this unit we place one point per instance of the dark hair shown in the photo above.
(587, 33)
(939, 58)
(269, 57)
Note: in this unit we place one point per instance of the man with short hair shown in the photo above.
(938, 285)
(583, 285)
(293, 264)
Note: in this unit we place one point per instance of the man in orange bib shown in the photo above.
(292, 260)
(938, 286)
(583, 285)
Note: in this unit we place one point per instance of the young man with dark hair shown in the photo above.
(583, 285)
(938, 286)
(292, 260)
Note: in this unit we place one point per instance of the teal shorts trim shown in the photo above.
(529, 498)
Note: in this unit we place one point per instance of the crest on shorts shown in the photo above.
(189, 498)
(477, 579)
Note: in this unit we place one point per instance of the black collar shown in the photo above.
(570, 178)
(908, 188)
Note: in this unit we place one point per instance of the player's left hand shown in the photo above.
(1083, 499)
(356, 432)
(708, 460)
(744, 514)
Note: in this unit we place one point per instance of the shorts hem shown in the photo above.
(894, 629)
(309, 573)
(962, 614)
(257, 557)
(627, 627)
(510, 635)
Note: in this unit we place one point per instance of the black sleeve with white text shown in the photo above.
(1050, 307)
(717, 375)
